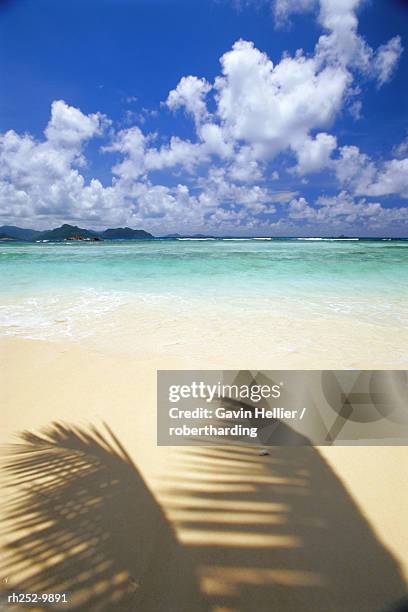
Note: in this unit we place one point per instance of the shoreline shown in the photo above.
(215, 333)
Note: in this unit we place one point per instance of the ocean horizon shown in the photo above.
(229, 237)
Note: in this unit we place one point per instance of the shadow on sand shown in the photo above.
(266, 534)
(279, 533)
(88, 526)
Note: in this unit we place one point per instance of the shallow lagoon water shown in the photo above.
(86, 284)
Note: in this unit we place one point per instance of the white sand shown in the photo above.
(289, 528)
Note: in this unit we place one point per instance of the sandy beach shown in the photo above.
(186, 529)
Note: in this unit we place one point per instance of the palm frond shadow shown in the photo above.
(85, 523)
(279, 533)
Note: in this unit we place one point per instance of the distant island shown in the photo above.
(18, 233)
(75, 233)
(125, 233)
(72, 232)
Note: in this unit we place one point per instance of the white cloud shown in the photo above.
(284, 8)
(386, 59)
(29, 163)
(190, 93)
(391, 179)
(273, 106)
(131, 143)
(177, 153)
(342, 210)
(42, 177)
(214, 140)
(267, 108)
(354, 169)
(69, 127)
(359, 173)
(401, 149)
(315, 153)
(342, 43)
(300, 209)
(245, 167)
(261, 109)
(343, 205)
(355, 109)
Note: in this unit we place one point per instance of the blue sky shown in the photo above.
(203, 115)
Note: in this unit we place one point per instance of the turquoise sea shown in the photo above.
(363, 279)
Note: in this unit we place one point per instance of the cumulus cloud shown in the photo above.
(68, 127)
(300, 209)
(141, 156)
(344, 205)
(41, 180)
(131, 143)
(28, 162)
(272, 107)
(247, 128)
(354, 169)
(190, 93)
(42, 177)
(363, 176)
(343, 210)
(315, 153)
(264, 108)
(214, 140)
(245, 167)
(391, 178)
(342, 43)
